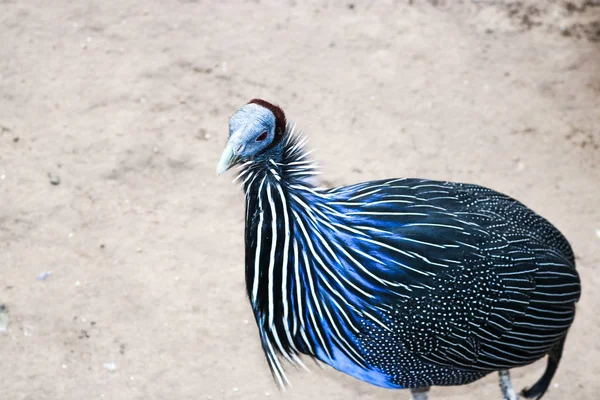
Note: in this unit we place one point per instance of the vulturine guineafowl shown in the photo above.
(403, 283)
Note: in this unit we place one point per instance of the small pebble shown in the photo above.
(235, 389)
(27, 330)
(44, 275)
(54, 179)
(598, 233)
(4, 320)
(111, 366)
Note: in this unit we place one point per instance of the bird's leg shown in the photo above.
(420, 393)
(508, 392)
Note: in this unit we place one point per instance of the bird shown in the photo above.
(403, 283)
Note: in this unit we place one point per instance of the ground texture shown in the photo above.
(121, 252)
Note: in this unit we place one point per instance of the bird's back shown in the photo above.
(447, 281)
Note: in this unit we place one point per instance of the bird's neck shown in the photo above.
(294, 279)
(274, 280)
(271, 183)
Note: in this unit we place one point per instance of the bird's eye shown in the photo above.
(262, 136)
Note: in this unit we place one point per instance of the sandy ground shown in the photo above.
(127, 104)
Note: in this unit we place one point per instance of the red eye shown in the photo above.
(262, 136)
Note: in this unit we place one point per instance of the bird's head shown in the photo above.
(254, 129)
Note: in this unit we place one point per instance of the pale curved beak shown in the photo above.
(228, 159)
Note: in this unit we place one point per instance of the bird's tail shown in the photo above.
(540, 387)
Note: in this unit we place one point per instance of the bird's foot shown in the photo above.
(420, 393)
(508, 392)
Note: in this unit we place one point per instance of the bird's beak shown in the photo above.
(228, 159)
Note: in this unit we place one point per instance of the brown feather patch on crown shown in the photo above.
(280, 121)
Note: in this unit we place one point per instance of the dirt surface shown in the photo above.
(121, 262)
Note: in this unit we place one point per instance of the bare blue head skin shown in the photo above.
(253, 129)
